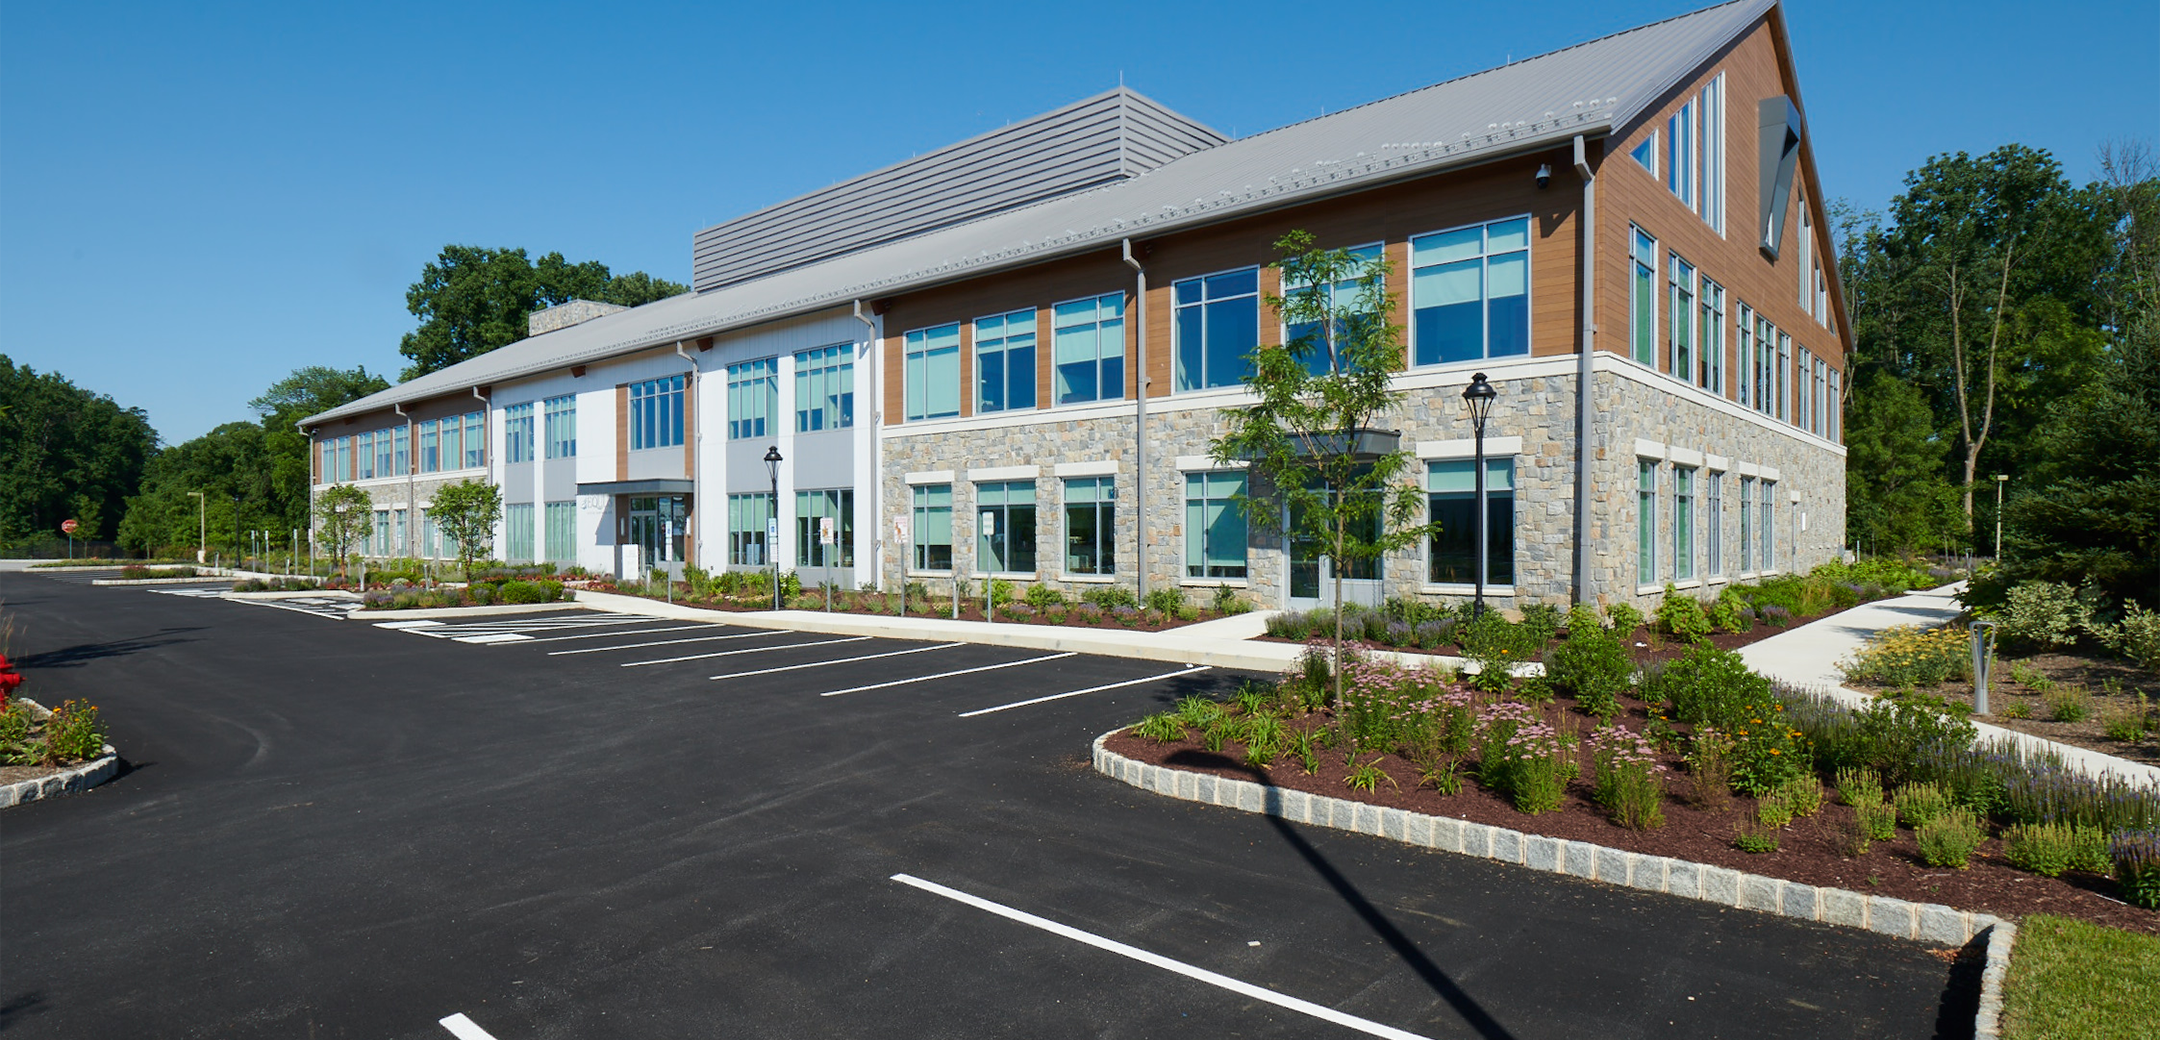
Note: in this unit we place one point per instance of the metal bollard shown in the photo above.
(1983, 633)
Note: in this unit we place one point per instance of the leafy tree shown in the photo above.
(65, 452)
(1896, 496)
(472, 300)
(288, 472)
(343, 514)
(1315, 392)
(467, 512)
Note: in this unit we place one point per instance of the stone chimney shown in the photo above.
(564, 315)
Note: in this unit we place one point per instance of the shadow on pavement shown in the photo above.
(83, 653)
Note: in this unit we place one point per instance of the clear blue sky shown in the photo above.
(195, 199)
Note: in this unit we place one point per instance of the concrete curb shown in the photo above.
(1987, 1025)
(197, 580)
(1922, 922)
(1168, 646)
(67, 781)
(363, 614)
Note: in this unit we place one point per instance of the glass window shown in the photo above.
(1321, 352)
(562, 427)
(1714, 521)
(1806, 266)
(344, 459)
(384, 439)
(1710, 337)
(932, 359)
(1005, 527)
(1452, 485)
(400, 451)
(364, 457)
(1767, 518)
(1646, 153)
(1643, 300)
(1782, 366)
(518, 439)
(380, 546)
(656, 413)
(1744, 353)
(1215, 327)
(1681, 305)
(1088, 349)
(930, 528)
(1747, 528)
(812, 509)
(746, 518)
(753, 395)
(1683, 535)
(518, 532)
(1680, 153)
(825, 388)
(1470, 293)
(1765, 365)
(1645, 522)
(398, 544)
(1214, 525)
(1836, 407)
(1822, 298)
(1711, 203)
(1091, 525)
(475, 440)
(1005, 362)
(428, 539)
(453, 442)
(562, 532)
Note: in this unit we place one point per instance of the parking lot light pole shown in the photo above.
(1480, 396)
(772, 523)
(2000, 480)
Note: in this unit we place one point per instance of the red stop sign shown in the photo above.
(68, 526)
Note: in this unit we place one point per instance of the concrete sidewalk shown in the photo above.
(1230, 642)
(1813, 655)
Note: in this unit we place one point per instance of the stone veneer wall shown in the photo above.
(1540, 409)
(389, 494)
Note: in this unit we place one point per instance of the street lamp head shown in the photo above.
(1479, 394)
(772, 462)
(2002, 476)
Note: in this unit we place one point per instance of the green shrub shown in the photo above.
(522, 592)
(1593, 666)
(1043, 597)
(1628, 779)
(1774, 808)
(1921, 804)
(1540, 623)
(1950, 840)
(1878, 820)
(1858, 786)
(1896, 738)
(2136, 859)
(2042, 848)
(2136, 636)
(550, 591)
(481, 595)
(1110, 597)
(1804, 793)
(2089, 849)
(1682, 616)
(2126, 725)
(2043, 614)
(1707, 685)
(1162, 727)
(1753, 836)
(1002, 593)
(2068, 703)
(1226, 601)
(1624, 619)
(75, 732)
(1166, 601)
(1729, 613)
(16, 747)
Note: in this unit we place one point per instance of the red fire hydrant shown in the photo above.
(9, 679)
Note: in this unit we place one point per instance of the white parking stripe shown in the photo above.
(752, 650)
(1244, 989)
(1076, 693)
(844, 660)
(657, 642)
(945, 675)
(616, 633)
(464, 1029)
(494, 637)
(407, 624)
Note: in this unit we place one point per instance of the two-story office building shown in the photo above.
(1007, 358)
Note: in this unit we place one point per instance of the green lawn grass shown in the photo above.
(2070, 980)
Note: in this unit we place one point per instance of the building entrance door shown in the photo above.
(1312, 574)
(656, 527)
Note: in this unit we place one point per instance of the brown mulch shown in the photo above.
(1647, 646)
(10, 774)
(2085, 670)
(1813, 850)
(967, 613)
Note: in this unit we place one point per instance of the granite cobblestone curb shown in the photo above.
(67, 781)
(1931, 923)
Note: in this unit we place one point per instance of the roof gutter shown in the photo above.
(1585, 591)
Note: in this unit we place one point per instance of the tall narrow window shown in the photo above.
(518, 523)
(562, 427)
(383, 442)
(753, 395)
(931, 528)
(1680, 153)
(430, 455)
(1783, 367)
(1643, 300)
(562, 532)
(518, 434)
(825, 388)
(932, 362)
(1215, 326)
(1088, 349)
(1681, 305)
(1090, 525)
(1747, 526)
(1710, 338)
(364, 457)
(1214, 525)
(453, 443)
(1714, 522)
(401, 452)
(747, 516)
(381, 545)
(1711, 204)
(1451, 487)
(1005, 362)
(1822, 297)
(344, 459)
(1744, 353)
(1683, 533)
(475, 440)
(1806, 266)
(1470, 293)
(656, 413)
(1645, 522)
(1767, 518)
(1836, 406)
(1322, 352)
(1766, 381)
(1005, 527)
(812, 510)
(398, 545)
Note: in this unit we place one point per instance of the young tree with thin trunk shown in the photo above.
(466, 512)
(343, 514)
(1312, 468)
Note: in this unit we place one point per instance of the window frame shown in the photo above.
(1681, 303)
(560, 419)
(656, 413)
(917, 352)
(998, 541)
(563, 513)
(520, 442)
(1206, 306)
(1646, 519)
(744, 534)
(1102, 513)
(1713, 524)
(813, 505)
(1683, 533)
(1747, 524)
(1499, 559)
(1642, 293)
(1378, 250)
(1484, 259)
(1207, 570)
(1004, 349)
(825, 375)
(753, 399)
(1099, 362)
(920, 516)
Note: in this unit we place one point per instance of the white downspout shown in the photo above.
(412, 464)
(1140, 383)
(1585, 587)
(692, 442)
(877, 455)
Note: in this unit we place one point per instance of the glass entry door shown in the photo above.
(1312, 574)
(656, 528)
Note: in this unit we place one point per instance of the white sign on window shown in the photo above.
(989, 523)
(825, 534)
(900, 527)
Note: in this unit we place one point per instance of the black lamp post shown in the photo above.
(1479, 395)
(772, 522)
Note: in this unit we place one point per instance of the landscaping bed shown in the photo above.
(1387, 743)
(501, 592)
(1107, 607)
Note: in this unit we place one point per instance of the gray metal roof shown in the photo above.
(1590, 88)
(1108, 137)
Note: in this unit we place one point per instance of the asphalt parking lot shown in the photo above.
(574, 824)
